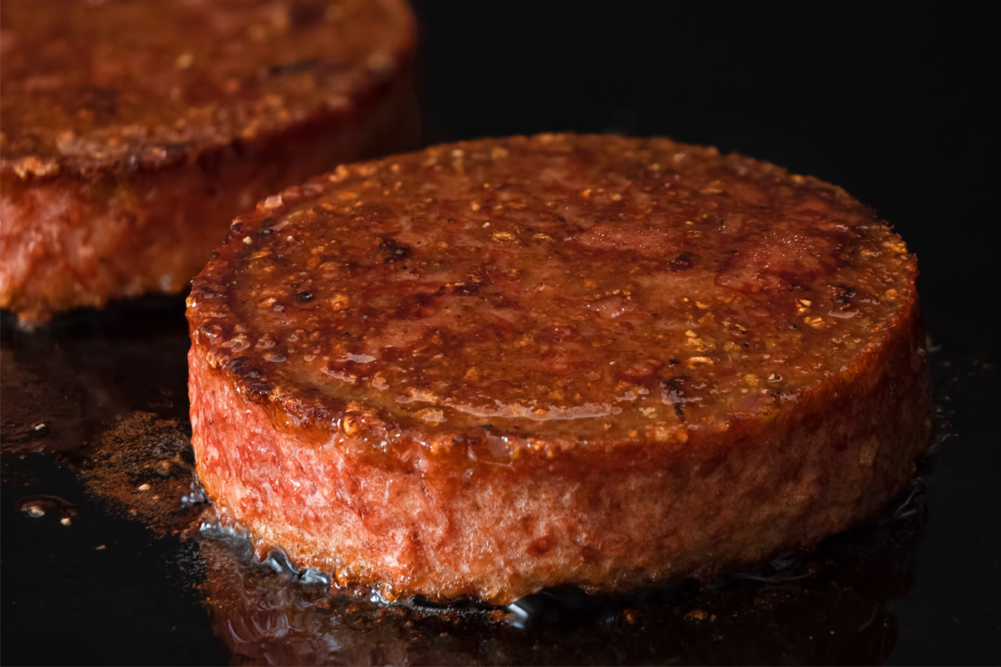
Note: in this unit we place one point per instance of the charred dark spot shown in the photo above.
(236, 227)
(394, 251)
(268, 222)
(674, 394)
(304, 297)
(842, 294)
(673, 362)
(487, 427)
(682, 262)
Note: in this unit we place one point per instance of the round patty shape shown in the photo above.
(133, 132)
(500, 365)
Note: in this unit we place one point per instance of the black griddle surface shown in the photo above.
(895, 108)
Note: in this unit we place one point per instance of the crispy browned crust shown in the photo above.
(121, 163)
(767, 364)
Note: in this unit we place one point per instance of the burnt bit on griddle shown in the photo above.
(142, 466)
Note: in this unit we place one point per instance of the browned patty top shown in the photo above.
(88, 86)
(554, 289)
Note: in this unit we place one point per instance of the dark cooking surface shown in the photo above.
(891, 107)
(157, 599)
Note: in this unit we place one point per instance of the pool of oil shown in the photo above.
(110, 553)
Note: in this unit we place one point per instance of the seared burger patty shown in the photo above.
(133, 132)
(495, 366)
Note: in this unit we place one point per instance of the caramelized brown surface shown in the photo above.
(133, 132)
(570, 289)
(124, 85)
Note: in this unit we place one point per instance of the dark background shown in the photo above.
(896, 106)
